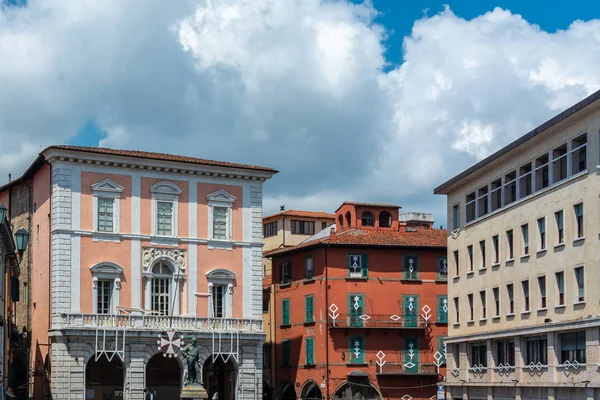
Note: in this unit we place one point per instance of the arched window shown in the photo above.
(367, 218)
(162, 276)
(348, 219)
(385, 219)
(341, 221)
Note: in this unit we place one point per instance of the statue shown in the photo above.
(191, 353)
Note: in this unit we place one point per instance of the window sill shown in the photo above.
(482, 319)
(482, 269)
(455, 278)
(285, 326)
(495, 265)
(456, 325)
(470, 322)
(579, 303)
(579, 239)
(441, 280)
(495, 318)
(470, 273)
(285, 285)
(410, 280)
(510, 315)
(357, 364)
(525, 257)
(542, 309)
(558, 307)
(525, 312)
(220, 244)
(106, 237)
(559, 246)
(308, 323)
(309, 366)
(510, 260)
(308, 281)
(351, 278)
(541, 251)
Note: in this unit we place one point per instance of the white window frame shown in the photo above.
(107, 189)
(165, 191)
(106, 271)
(225, 278)
(220, 198)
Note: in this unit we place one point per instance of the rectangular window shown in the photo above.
(455, 217)
(560, 228)
(510, 244)
(482, 201)
(496, 194)
(411, 267)
(483, 304)
(457, 310)
(310, 350)
(160, 295)
(356, 308)
(270, 229)
(220, 223)
(356, 346)
(309, 308)
(286, 353)
(496, 244)
(537, 350)
(303, 227)
(541, 223)
(559, 163)
(525, 180)
(104, 296)
(218, 296)
(266, 303)
(471, 309)
(442, 269)
(267, 354)
(470, 252)
(505, 353)
(525, 233)
(496, 292)
(479, 355)
(510, 188)
(285, 312)
(572, 347)
(542, 288)
(580, 280)
(357, 266)
(579, 154)
(525, 287)
(164, 220)
(482, 250)
(511, 298)
(560, 288)
(442, 309)
(309, 268)
(285, 273)
(578, 208)
(105, 214)
(470, 207)
(323, 225)
(542, 177)
(456, 262)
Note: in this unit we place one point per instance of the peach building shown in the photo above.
(130, 246)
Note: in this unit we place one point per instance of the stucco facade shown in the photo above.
(523, 251)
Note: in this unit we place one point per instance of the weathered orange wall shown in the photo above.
(4, 198)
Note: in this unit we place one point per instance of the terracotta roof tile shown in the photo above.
(159, 156)
(434, 238)
(299, 213)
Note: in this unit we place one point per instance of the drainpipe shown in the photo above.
(326, 325)
(283, 244)
(28, 310)
(273, 328)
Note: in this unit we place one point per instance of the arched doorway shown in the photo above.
(220, 378)
(288, 392)
(105, 378)
(385, 219)
(311, 391)
(356, 389)
(163, 376)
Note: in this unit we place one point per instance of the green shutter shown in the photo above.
(364, 264)
(440, 348)
(285, 311)
(442, 314)
(411, 355)
(410, 315)
(355, 313)
(286, 353)
(310, 351)
(309, 309)
(356, 346)
(407, 267)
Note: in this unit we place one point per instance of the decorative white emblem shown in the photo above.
(395, 318)
(356, 300)
(426, 313)
(575, 364)
(455, 372)
(444, 268)
(438, 360)
(411, 265)
(333, 312)
(364, 317)
(381, 360)
(149, 254)
(411, 305)
(445, 350)
(504, 367)
(356, 349)
(411, 355)
(406, 397)
(445, 305)
(168, 344)
(478, 368)
(537, 366)
(355, 263)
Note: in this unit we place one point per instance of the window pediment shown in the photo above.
(165, 187)
(106, 268)
(107, 185)
(220, 273)
(221, 195)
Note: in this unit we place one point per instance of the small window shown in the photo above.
(542, 289)
(541, 223)
(220, 215)
(482, 250)
(442, 273)
(341, 221)
(511, 298)
(496, 244)
(270, 229)
(572, 347)
(579, 154)
(496, 194)
(542, 177)
(525, 287)
(525, 180)
(267, 354)
(285, 273)
(310, 350)
(106, 214)
(309, 268)
(285, 312)
(457, 310)
(537, 350)
(286, 353)
(164, 218)
(266, 301)
(367, 218)
(510, 187)
(411, 267)
(323, 225)
(357, 266)
(560, 288)
(356, 346)
(385, 219)
(559, 163)
(471, 308)
(479, 355)
(525, 233)
(560, 228)
(104, 296)
(505, 353)
(470, 252)
(470, 207)
(303, 227)
(496, 292)
(456, 262)
(578, 208)
(483, 299)
(509, 242)
(455, 217)
(482, 201)
(348, 219)
(309, 308)
(580, 281)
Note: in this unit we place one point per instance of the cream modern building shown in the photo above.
(524, 258)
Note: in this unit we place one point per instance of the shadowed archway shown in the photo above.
(105, 378)
(163, 375)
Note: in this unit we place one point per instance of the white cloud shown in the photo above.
(298, 85)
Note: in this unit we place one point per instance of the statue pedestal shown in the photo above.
(193, 392)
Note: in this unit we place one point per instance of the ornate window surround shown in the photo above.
(168, 192)
(109, 271)
(176, 259)
(221, 276)
(220, 198)
(107, 188)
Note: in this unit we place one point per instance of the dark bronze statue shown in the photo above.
(191, 353)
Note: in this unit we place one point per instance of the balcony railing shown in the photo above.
(158, 322)
(413, 369)
(352, 321)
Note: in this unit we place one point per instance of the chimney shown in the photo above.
(9, 177)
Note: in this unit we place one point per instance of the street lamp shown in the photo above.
(2, 213)
(22, 237)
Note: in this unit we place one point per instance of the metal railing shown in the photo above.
(158, 322)
(413, 369)
(377, 321)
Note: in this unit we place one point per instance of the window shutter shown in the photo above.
(285, 309)
(364, 265)
(356, 347)
(442, 313)
(310, 351)
(285, 353)
(411, 355)
(440, 348)
(14, 288)
(309, 309)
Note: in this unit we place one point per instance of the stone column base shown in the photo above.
(193, 392)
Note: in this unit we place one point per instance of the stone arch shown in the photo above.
(385, 219)
(357, 389)
(311, 391)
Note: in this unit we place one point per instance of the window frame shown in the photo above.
(541, 225)
(497, 302)
(312, 268)
(579, 351)
(165, 191)
(543, 291)
(483, 300)
(510, 240)
(309, 360)
(220, 199)
(107, 189)
(283, 272)
(510, 293)
(270, 229)
(560, 288)
(295, 223)
(525, 291)
(496, 246)
(483, 254)
(579, 284)
(309, 318)
(223, 278)
(525, 237)
(478, 355)
(559, 218)
(110, 272)
(505, 352)
(579, 221)
(536, 350)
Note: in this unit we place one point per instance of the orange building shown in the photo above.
(361, 308)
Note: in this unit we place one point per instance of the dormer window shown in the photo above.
(106, 203)
(348, 219)
(385, 219)
(165, 197)
(367, 218)
(220, 206)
